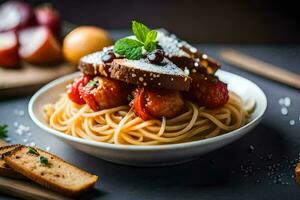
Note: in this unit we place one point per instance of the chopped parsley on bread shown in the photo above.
(49, 170)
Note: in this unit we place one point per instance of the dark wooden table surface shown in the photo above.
(258, 166)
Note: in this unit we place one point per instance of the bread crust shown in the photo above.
(5, 170)
(124, 70)
(49, 182)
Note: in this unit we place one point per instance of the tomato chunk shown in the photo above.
(75, 87)
(138, 104)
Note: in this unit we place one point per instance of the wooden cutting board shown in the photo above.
(29, 77)
(26, 189)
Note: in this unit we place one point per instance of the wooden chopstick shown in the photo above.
(259, 67)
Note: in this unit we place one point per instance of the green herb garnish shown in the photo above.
(44, 160)
(3, 131)
(92, 83)
(133, 48)
(33, 151)
(129, 97)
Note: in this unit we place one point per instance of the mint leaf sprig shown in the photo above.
(133, 48)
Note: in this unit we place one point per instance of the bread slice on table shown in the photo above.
(5, 170)
(141, 72)
(49, 170)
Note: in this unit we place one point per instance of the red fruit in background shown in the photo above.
(39, 46)
(16, 15)
(49, 17)
(208, 90)
(9, 56)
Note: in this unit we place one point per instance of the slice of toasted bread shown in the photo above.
(140, 72)
(55, 173)
(93, 65)
(5, 170)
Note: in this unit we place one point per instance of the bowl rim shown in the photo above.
(82, 141)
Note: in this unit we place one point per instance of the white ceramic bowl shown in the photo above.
(150, 155)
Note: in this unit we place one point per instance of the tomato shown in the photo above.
(75, 87)
(88, 96)
(139, 104)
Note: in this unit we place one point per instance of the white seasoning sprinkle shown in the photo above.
(281, 101)
(133, 75)
(158, 83)
(32, 144)
(284, 111)
(48, 148)
(7, 139)
(292, 122)
(25, 140)
(287, 101)
(186, 71)
(196, 64)
(145, 84)
(141, 79)
(172, 79)
(19, 113)
(145, 75)
(193, 49)
(204, 56)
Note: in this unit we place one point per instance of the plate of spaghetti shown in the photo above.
(151, 99)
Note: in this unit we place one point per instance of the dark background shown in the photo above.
(229, 21)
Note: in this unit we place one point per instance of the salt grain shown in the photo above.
(19, 113)
(32, 144)
(21, 129)
(292, 122)
(48, 148)
(281, 101)
(251, 148)
(284, 111)
(287, 101)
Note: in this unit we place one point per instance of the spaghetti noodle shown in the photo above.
(120, 125)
